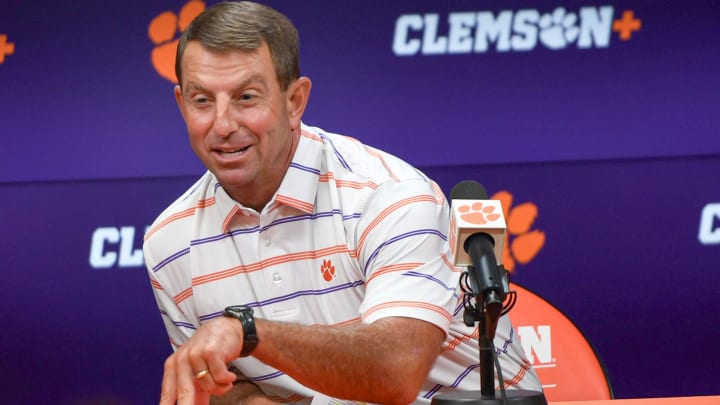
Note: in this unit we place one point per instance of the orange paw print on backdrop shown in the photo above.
(328, 270)
(162, 31)
(521, 243)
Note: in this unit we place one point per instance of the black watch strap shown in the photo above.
(245, 315)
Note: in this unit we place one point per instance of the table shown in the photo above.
(704, 400)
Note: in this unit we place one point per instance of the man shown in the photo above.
(303, 264)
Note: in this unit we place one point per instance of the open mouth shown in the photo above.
(232, 153)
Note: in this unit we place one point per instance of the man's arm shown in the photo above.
(383, 362)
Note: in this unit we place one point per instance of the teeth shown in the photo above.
(233, 153)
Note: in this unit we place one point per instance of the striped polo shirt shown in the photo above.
(352, 234)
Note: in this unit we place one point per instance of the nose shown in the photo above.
(224, 124)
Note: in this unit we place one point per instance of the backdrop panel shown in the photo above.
(622, 258)
(520, 81)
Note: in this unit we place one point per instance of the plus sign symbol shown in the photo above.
(6, 48)
(626, 25)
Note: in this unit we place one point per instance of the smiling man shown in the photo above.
(302, 264)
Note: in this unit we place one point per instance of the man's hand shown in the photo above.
(198, 368)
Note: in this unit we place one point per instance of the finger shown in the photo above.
(168, 393)
(219, 370)
(185, 380)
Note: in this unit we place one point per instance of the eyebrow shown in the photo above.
(255, 78)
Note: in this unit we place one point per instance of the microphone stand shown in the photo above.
(487, 312)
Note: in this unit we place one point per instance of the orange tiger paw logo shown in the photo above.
(162, 29)
(478, 214)
(521, 243)
(328, 270)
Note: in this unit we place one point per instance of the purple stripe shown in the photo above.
(507, 343)
(305, 168)
(216, 238)
(302, 218)
(400, 237)
(184, 325)
(171, 258)
(429, 277)
(267, 376)
(337, 153)
(291, 296)
(223, 236)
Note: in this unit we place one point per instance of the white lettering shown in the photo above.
(99, 258)
(402, 46)
(595, 27)
(432, 43)
(112, 246)
(536, 343)
(509, 30)
(709, 234)
(128, 256)
(460, 36)
(490, 29)
(525, 27)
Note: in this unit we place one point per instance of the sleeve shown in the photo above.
(169, 294)
(402, 246)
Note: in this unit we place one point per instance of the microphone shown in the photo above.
(477, 236)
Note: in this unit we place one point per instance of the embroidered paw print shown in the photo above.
(161, 31)
(328, 270)
(478, 214)
(558, 29)
(521, 243)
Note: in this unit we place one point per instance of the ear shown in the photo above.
(179, 99)
(298, 94)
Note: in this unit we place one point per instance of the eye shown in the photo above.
(246, 97)
(200, 100)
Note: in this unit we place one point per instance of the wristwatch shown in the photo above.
(245, 315)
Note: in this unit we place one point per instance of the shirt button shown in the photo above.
(267, 242)
(277, 279)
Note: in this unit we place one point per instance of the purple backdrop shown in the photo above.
(617, 143)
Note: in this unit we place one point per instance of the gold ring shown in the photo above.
(201, 374)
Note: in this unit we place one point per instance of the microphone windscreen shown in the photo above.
(468, 190)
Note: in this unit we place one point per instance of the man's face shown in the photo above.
(237, 118)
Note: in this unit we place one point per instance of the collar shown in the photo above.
(297, 189)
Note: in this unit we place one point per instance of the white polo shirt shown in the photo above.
(353, 234)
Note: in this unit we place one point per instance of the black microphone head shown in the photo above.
(468, 190)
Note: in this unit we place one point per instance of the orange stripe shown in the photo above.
(179, 215)
(312, 254)
(389, 210)
(450, 264)
(326, 177)
(373, 152)
(393, 268)
(156, 285)
(229, 217)
(415, 304)
(310, 135)
(187, 293)
(458, 340)
(294, 202)
(519, 376)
